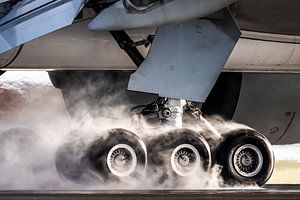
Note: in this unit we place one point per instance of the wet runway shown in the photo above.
(269, 192)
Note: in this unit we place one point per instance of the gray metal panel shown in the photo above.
(22, 8)
(269, 103)
(32, 19)
(269, 16)
(185, 59)
(116, 18)
(73, 47)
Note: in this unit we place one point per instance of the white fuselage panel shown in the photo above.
(75, 47)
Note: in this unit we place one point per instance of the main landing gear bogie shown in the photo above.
(245, 157)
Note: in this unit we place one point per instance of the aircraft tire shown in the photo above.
(246, 157)
(120, 154)
(115, 155)
(187, 150)
(69, 157)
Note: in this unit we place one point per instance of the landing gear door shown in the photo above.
(186, 58)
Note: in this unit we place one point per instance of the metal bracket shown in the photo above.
(128, 45)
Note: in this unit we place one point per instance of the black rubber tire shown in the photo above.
(79, 162)
(68, 159)
(166, 143)
(97, 152)
(232, 142)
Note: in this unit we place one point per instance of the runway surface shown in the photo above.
(269, 192)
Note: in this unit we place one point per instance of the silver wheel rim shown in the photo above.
(247, 160)
(121, 160)
(185, 160)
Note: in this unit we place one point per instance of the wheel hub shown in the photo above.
(247, 160)
(185, 159)
(121, 160)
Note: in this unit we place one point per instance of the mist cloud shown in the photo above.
(35, 124)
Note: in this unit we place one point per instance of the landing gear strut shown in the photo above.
(166, 111)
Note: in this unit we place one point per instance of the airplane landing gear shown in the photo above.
(180, 149)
